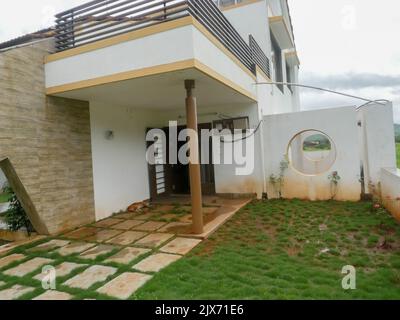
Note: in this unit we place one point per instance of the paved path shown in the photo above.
(113, 257)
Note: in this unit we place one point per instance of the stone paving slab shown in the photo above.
(108, 222)
(90, 277)
(128, 224)
(10, 259)
(172, 225)
(127, 255)
(97, 251)
(62, 270)
(210, 210)
(156, 262)
(75, 248)
(164, 208)
(145, 216)
(169, 216)
(180, 246)
(103, 235)
(15, 292)
(127, 215)
(50, 245)
(124, 285)
(81, 233)
(150, 226)
(155, 240)
(127, 238)
(27, 267)
(52, 295)
(186, 218)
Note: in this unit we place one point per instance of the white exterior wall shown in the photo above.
(120, 172)
(377, 148)
(167, 47)
(252, 19)
(390, 190)
(209, 54)
(340, 125)
(226, 180)
(150, 51)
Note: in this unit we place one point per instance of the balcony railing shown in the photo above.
(102, 19)
(259, 57)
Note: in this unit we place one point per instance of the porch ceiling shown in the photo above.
(162, 91)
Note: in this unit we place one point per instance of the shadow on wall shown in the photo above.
(15, 183)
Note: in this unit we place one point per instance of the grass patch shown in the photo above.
(269, 250)
(289, 250)
(398, 154)
(4, 197)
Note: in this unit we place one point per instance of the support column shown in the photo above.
(194, 160)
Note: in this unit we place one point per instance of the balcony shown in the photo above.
(280, 24)
(104, 42)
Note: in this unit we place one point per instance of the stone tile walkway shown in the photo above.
(156, 262)
(10, 259)
(95, 259)
(53, 295)
(15, 292)
(127, 255)
(27, 267)
(90, 277)
(97, 251)
(124, 285)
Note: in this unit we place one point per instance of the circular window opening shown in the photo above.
(311, 152)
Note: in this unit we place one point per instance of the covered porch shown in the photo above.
(122, 112)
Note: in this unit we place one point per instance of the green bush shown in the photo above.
(16, 217)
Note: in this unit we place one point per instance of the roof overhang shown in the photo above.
(281, 32)
(162, 91)
(292, 58)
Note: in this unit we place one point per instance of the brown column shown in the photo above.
(194, 161)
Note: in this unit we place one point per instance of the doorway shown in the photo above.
(173, 179)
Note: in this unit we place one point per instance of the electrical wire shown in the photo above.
(320, 89)
(246, 137)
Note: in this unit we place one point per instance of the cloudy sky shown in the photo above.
(350, 46)
(345, 45)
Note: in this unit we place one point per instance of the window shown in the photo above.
(289, 77)
(277, 61)
(232, 124)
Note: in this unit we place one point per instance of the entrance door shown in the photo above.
(174, 179)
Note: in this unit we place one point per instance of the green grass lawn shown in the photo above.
(398, 154)
(4, 197)
(268, 250)
(272, 250)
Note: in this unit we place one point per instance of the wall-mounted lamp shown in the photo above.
(109, 135)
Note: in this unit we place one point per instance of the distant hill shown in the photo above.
(397, 132)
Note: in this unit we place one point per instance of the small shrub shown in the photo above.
(16, 217)
(334, 179)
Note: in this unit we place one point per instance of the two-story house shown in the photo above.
(78, 99)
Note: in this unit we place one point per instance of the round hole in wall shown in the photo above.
(311, 152)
